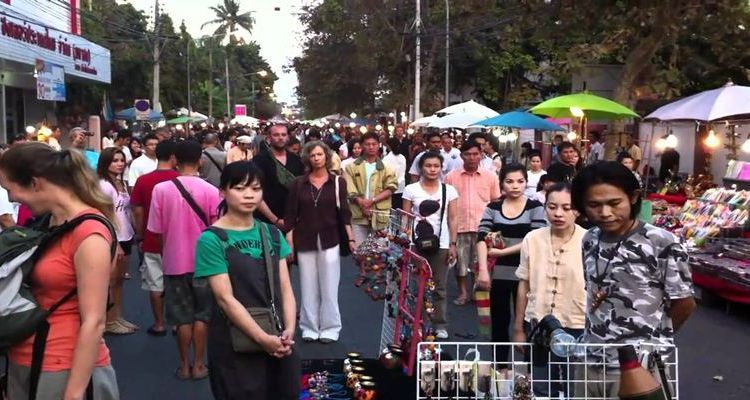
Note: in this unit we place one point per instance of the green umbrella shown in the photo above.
(594, 107)
(184, 120)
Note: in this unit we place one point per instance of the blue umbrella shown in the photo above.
(520, 120)
(128, 114)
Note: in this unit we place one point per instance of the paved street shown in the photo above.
(712, 343)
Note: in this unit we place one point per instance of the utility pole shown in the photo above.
(226, 77)
(156, 55)
(418, 61)
(189, 104)
(447, 52)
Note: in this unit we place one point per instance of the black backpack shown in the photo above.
(20, 314)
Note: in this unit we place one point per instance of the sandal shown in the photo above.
(461, 301)
(127, 324)
(183, 377)
(157, 332)
(200, 375)
(115, 328)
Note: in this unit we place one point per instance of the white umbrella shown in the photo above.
(244, 120)
(462, 120)
(424, 121)
(470, 106)
(711, 105)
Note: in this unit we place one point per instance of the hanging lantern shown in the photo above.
(572, 135)
(671, 141)
(712, 140)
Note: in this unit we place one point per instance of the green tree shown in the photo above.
(229, 18)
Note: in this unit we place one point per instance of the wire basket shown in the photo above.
(466, 370)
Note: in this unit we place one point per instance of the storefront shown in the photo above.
(41, 51)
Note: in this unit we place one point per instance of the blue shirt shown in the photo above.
(92, 157)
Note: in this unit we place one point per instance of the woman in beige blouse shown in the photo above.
(551, 277)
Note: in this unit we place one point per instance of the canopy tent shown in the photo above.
(520, 120)
(712, 105)
(461, 121)
(593, 107)
(244, 120)
(182, 120)
(424, 121)
(129, 114)
(334, 117)
(278, 119)
(469, 107)
(195, 115)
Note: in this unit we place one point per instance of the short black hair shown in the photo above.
(542, 180)
(237, 173)
(534, 153)
(124, 134)
(510, 168)
(428, 155)
(292, 141)
(606, 172)
(394, 145)
(477, 135)
(188, 152)
(150, 136)
(596, 136)
(567, 145)
(370, 135)
(623, 155)
(313, 133)
(446, 133)
(431, 135)
(470, 144)
(350, 145)
(165, 150)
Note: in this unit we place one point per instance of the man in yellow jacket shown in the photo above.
(370, 184)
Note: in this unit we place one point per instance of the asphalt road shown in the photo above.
(714, 342)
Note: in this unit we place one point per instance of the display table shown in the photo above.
(390, 384)
(727, 278)
(677, 199)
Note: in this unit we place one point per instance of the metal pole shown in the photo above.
(157, 28)
(447, 52)
(226, 77)
(252, 96)
(418, 61)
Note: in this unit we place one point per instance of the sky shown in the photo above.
(279, 33)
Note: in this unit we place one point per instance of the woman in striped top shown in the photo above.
(513, 216)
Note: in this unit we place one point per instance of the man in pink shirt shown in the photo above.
(180, 210)
(476, 188)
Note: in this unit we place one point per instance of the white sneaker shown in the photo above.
(441, 334)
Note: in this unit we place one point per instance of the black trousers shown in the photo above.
(502, 307)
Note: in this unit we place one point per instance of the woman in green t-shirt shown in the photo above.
(231, 256)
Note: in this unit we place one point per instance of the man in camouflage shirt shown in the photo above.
(637, 275)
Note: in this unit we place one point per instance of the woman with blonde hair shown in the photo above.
(61, 184)
(313, 218)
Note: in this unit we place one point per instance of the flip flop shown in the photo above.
(181, 376)
(155, 332)
(201, 375)
(461, 302)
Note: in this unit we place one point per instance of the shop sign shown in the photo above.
(50, 81)
(24, 42)
(240, 109)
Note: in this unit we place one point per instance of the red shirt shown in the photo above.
(141, 197)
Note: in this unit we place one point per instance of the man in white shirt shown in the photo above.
(451, 155)
(434, 143)
(596, 152)
(147, 162)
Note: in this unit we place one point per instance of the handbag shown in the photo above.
(430, 244)
(266, 317)
(343, 236)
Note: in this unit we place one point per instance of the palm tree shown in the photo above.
(230, 20)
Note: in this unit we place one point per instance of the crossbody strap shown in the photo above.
(442, 211)
(191, 201)
(269, 271)
(210, 157)
(338, 199)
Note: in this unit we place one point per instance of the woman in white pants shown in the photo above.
(313, 218)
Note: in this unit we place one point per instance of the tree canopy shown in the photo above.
(358, 54)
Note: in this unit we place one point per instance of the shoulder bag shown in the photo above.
(191, 201)
(343, 236)
(430, 244)
(266, 317)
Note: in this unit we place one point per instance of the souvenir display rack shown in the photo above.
(722, 266)
(390, 271)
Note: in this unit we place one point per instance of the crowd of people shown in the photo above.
(218, 216)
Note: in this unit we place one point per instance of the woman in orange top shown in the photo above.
(61, 183)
